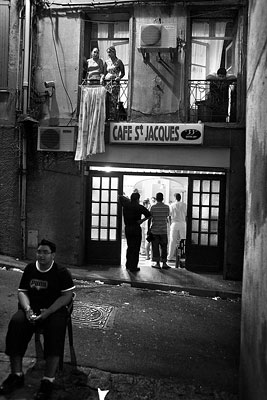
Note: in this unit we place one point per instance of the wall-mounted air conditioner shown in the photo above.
(158, 36)
(56, 138)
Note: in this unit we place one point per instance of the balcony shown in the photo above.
(116, 102)
(212, 101)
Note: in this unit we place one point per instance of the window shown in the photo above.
(110, 33)
(104, 215)
(211, 41)
(4, 40)
(212, 97)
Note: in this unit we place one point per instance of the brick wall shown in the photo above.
(10, 237)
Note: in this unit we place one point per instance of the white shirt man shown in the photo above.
(178, 211)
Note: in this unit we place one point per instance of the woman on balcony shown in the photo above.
(95, 68)
(113, 72)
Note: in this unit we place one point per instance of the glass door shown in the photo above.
(103, 219)
(206, 214)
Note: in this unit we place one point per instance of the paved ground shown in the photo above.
(139, 343)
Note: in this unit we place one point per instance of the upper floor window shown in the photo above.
(103, 33)
(213, 70)
(106, 34)
(212, 48)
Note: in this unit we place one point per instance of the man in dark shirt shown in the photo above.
(132, 213)
(44, 292)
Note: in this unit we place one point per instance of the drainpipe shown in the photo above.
(25, 101)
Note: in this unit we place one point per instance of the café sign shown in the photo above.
(163, 134)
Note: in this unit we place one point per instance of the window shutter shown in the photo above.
(4, 41)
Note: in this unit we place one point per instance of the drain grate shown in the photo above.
(100, 316)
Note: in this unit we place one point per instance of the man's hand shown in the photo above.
(44, 314)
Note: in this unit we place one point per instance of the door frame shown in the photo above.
(164, 172)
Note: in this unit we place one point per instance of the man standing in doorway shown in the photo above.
(178, 211)
(160, 213)
(132, 213)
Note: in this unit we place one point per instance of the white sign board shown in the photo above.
(170, 134)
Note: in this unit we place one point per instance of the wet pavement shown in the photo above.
(178, 279)
(180, 340)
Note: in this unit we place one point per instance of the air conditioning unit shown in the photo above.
(158, 36)
(56, 138)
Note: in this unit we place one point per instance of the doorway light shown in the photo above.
(153, 171)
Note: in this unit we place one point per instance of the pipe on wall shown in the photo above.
(25, 104)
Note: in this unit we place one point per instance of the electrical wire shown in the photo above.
(59, 68)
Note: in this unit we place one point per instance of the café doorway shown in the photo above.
(202, 191)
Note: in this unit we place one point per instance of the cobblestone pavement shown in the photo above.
(83, 383)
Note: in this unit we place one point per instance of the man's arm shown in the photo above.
(123, 199)
(146, 213)
(61, 301)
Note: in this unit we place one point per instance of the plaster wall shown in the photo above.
(10, 237)
(158, 84)
(53, 203)
(58, 59)
(8, 97)
(253, 368)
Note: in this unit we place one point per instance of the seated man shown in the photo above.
(44, 292)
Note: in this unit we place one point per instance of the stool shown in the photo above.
(38, 345)
(180, 254)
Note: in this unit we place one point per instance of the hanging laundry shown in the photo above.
(91, 122)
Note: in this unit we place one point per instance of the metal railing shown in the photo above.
(212, 101)
(121, 98)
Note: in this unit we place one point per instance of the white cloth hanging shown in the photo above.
(91, 122)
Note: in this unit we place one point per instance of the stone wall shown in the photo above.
(253, 369)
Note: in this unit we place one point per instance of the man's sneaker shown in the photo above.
(165, 266)
(157, 266)
(45, 390)
(11, 383)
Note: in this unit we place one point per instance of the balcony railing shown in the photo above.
(212, 101)
(116, 102)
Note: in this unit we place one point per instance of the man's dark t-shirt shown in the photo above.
(132, 211)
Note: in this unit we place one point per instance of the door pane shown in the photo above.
(204, 239)
(196, 186)
(215, 186)
(104, 208)
(104, 221)
(213, 240)
(205, 212)
(95, 208)
(195, 225)
(95, 195)
(196, 198)
(214, 226)
(215, 199)
(195, 212)
(105, 183)
(104, 195)
(114, 196)
(114, 183)
(205, 199)
(205, 186)
(94, 234)
(112, 234)
(94, 221)
(113, 222)
(204, 226)
(103, 234)
(194, 238)
(214, 212)
(96, 182)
